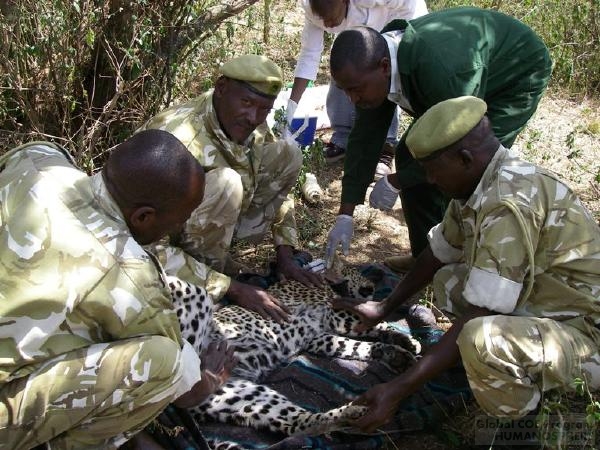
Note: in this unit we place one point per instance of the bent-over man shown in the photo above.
(416, 64)
(91, 347)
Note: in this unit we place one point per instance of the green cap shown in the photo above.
(444, 124)
(262, 74)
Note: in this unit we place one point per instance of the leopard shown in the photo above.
(262, 345)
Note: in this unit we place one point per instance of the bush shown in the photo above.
(85, 73)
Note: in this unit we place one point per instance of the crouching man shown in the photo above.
(515, 261)
(91, 347)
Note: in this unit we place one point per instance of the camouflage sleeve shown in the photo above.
(185, 122)
(446, 238)
(284, 226)
(500, 259)
(131, 300)
(178, 263)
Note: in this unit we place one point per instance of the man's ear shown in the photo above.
(142, 217)
(466, 156)
(220, 87)
(385, 65)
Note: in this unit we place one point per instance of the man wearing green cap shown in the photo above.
(248, 181)
(416, 64)
(514, 262)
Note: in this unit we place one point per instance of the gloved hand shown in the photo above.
(384, 195)
(341, 233)
(290, 110)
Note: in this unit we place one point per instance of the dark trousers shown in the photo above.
(423, 204)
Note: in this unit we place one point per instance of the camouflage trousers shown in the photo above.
(521, 356)
(231, 208)
(96, 397)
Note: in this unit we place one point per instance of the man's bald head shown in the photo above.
(361, 47)
(154, 172)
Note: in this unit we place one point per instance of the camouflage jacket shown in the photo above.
(531, 247)
(195, 123)
(71, 274)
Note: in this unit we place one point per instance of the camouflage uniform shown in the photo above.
(91, 349)
(525, 247)
(247, 189)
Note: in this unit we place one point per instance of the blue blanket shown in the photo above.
(320, 384)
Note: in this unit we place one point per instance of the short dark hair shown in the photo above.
(151, 168)
(362, 47)
(319, 7)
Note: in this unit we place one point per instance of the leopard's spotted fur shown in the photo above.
(262, 345)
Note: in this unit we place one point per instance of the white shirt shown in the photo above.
(372, 13)
(393, 38)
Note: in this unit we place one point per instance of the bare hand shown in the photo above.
(218, 358)
(218, 361)
(258, 300)
(289, 270)
(382, 404)
(369, 312)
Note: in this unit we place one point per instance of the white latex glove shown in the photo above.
(384, 195)
(341, 233)
(290, 110)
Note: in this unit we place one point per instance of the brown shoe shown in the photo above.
(400, 264)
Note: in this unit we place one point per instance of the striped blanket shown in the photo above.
(320, 384)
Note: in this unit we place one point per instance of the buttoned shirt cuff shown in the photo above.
(492, 291)
(190, 369)
(440, 247)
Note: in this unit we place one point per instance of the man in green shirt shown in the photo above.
(515, 264)
(416, 64)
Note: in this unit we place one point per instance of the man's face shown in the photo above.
(452, 174)
(367, 88)
(239, 109)
(335, 13)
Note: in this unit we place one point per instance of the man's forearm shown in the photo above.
(283, 252)
(420, 276)
(440, 357)
(298, 88)
(347, 209)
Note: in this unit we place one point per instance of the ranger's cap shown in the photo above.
(444, 124)
(262, 74)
